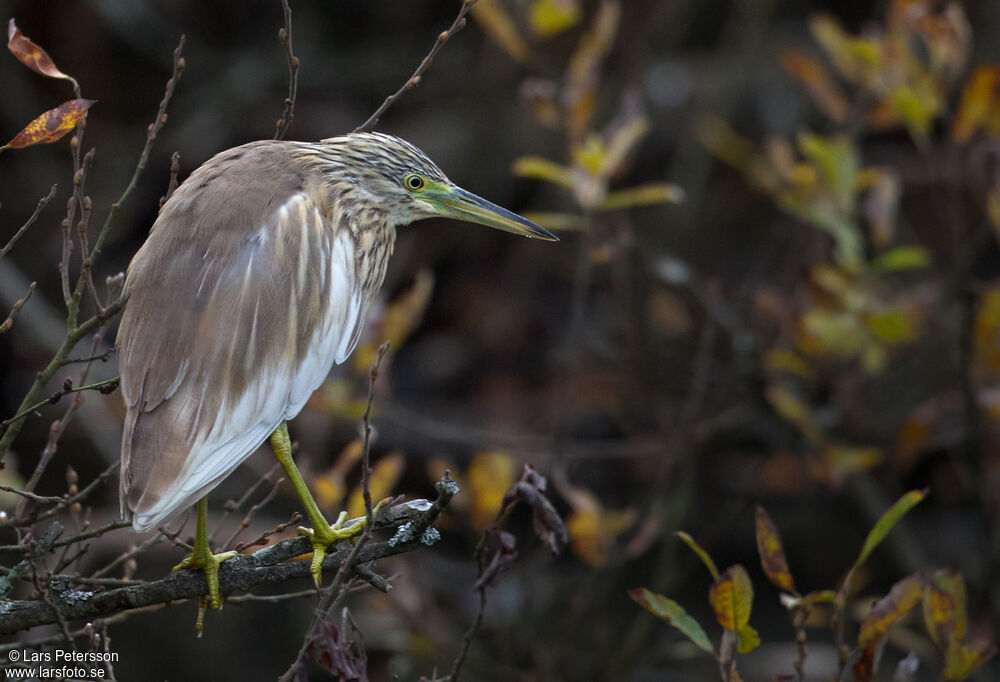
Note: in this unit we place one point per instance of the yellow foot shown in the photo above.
(203, 558)
(325, 535)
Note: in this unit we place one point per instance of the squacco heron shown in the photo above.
(253, 282)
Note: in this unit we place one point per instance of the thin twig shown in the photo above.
(415, 77)
(232, 506)
(42, 499)
(285, 37)
(263, 537)
(103, 357)
(106, 386)
(175, 170)
(31, 518)
(245, 523)
(367, 426)
(28, 223)
(15, 309)
(333, 593)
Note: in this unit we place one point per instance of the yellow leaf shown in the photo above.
(549, 17)
(490, 474)
(987, 330)
(731, 597)
(963, 659)
(400, 318)
(793, 410)
(781, 360)
(51, 125)
(944, 608)
(557, 222)
(385, 475)
(644, 195)
(593, 529)
(747, 639)
(582, 77)
(772, 554)
(822, 89)
(993, 209)
(839, 462)
(543, 169)
(979, 100)
(497, 24)
(621, 143)
(903, 596)
(892, 326)
(725, 143)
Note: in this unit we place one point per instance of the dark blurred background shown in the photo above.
(667, 366)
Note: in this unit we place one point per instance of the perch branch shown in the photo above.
(266, 566)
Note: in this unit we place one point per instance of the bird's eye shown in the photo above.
(413, 182)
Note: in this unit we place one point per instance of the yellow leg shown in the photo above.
(322, 533)
(202, 557)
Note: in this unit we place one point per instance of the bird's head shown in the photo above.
(401, 179)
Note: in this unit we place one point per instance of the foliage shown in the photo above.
(731, 597)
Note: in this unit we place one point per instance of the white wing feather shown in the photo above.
(278, 394)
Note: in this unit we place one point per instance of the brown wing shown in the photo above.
(239, 302)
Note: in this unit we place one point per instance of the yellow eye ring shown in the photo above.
(413, 182)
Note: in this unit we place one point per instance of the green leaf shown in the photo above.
(674, 614)
(747, 639)
(889, 519)
(702, 554)
(902, 258)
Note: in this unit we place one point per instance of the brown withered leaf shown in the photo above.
(903, 596)
(51, 125)
(31, 55)
(819, 84)
(340, 650)
(503, 557)
(549, 526)
(772, 554)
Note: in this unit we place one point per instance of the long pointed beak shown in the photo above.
(460, 204)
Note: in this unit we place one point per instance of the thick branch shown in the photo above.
(241, 573)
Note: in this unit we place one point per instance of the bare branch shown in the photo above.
(415, 77)
(285, 37)
(106, 386)
(15, 309)
(29, 222)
